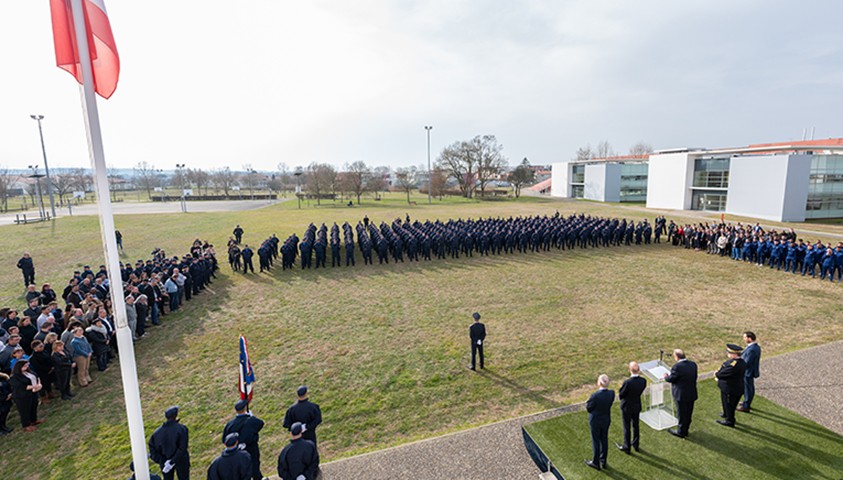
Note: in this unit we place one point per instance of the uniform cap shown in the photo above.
(172, 412)
(232, 439)
(476, 315)
(732, 348)
(301, 391)
(241, 405)
(296, 429)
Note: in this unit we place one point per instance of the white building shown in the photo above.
(612, 179)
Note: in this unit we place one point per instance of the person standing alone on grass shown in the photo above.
(477, 333)
(752, 357)
(599, 407)
(305, 412)
(28, 269)
(238, 234)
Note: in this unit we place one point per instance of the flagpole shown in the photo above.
(126, 350)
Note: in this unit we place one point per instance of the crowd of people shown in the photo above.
(752, 244)
(41, 348)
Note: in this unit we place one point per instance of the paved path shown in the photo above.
(810, 382)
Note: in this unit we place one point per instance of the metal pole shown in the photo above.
(38, 119)
(428, 128)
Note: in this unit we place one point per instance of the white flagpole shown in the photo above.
(128, 369)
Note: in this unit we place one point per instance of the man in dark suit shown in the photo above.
(477, 332)
(730, 378)
(683, 377)
(630, 397)
(599, 407)
(752, 356)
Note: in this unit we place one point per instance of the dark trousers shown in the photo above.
(181, 469)
(63, 381)
(475, 349)
(684, 410)
(102, 361)
(748, 391)
(599, 442)
(5, 408)
(630, 428)
(247, 265)
(729, 401)
(28, 409)
(255, 453)
(28, 277)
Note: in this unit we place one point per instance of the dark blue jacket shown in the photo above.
(599, 407)
(232, 464)
(630, 394)
(683, 376)
(752, 356)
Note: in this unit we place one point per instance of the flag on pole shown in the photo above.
(247, 375)
(103, 50)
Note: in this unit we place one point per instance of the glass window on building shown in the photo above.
(578, 174)
(708, 200)
(577, 191)
(825, 187)
(711, 173)
(633, 182)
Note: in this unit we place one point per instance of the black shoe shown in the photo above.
(722, 415)
(604, 465)
(636, 448)
(623, 449)
(675, 433)
(725, 423)
(472, 369)
(592, 465)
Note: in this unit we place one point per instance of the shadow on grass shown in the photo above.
(667, 466)
(809, 428)
(519, 389)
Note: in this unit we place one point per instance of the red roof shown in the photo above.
(828, 142)
(623, 157)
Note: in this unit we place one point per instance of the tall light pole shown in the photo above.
(429, 176)
(180, 169)
(298, 173)
(38, 119)
(37, 176)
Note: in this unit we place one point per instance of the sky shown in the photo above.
(258, 82)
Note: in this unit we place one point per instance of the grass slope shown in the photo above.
(772, 442)
(384, 348)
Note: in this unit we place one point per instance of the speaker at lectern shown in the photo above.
(657, 409)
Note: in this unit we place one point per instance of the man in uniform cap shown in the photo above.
(247, 427)
(168, 447)
(477, 333)
(233, 463)
(299, 460)
(730, 380)
(305, 412)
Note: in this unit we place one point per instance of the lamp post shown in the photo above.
(180, 169)
(38, 119)
(428, 128)
(298, 175)
(37, 177)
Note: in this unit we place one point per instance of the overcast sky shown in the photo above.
(213, 83)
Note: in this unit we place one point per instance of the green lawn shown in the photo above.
(384, 348)
(772, 442)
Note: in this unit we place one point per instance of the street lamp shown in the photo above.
(428, 128)
(160, 174)
(298, 173)
(37, 178)
(38, 119)
(180, 169)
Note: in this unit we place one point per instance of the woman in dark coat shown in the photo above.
(63, 365)
(42, 365)
(98, 338)
(25, 388)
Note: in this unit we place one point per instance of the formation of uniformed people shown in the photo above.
(753, 245)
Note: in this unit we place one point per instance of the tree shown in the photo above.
(82, 180)
(7, 179)
(490, 162)
(438, 178)
(377, 181)
(223, 178)
(406, 178)
(320, 178)
(604, 149)
(640, 149)
(63, 184)
(356, 178)
(584, 154)
(198, 177)
(459, 161)
(522, 175)
(146, 177)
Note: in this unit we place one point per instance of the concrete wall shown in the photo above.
(669, 177)
(560, 186)
(603, 182)
(772, 187)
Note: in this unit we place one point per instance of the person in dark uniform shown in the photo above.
(238, 234)
(247, 254)
(752, 357)
(477, 333)
(630, 397)
(28, 269)
(305, 412)
(730, 381)
(599, 408)
(683, 380)
(168, 447)
(247, 427)
(233, 463)
(152, 476)
(300, 459)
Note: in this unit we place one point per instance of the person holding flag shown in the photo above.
(247, 427)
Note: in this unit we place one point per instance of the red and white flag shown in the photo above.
(104, 59)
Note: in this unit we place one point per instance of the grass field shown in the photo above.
(772, 442)
(384, 348)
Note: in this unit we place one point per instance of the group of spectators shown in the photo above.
(41, 347)
(752, 244)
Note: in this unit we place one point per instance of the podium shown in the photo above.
(657, 408)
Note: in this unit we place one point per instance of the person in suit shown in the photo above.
(477, 332)
(630, 397)
(683, 380)
(730, 378)
(599, 407)
(752, 357)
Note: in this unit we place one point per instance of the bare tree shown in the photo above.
(224, 179)
(320, 178)
(522, 175)
(641, 148)
(459, 161)
(490, 160)
(407, 179)
(438, 179)
(63, 184)
(584, 154)
(198, 177)
(356, 178)
(604, 149)
(146, 177)
(82, 179)
(377, 180)
(7, 179)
